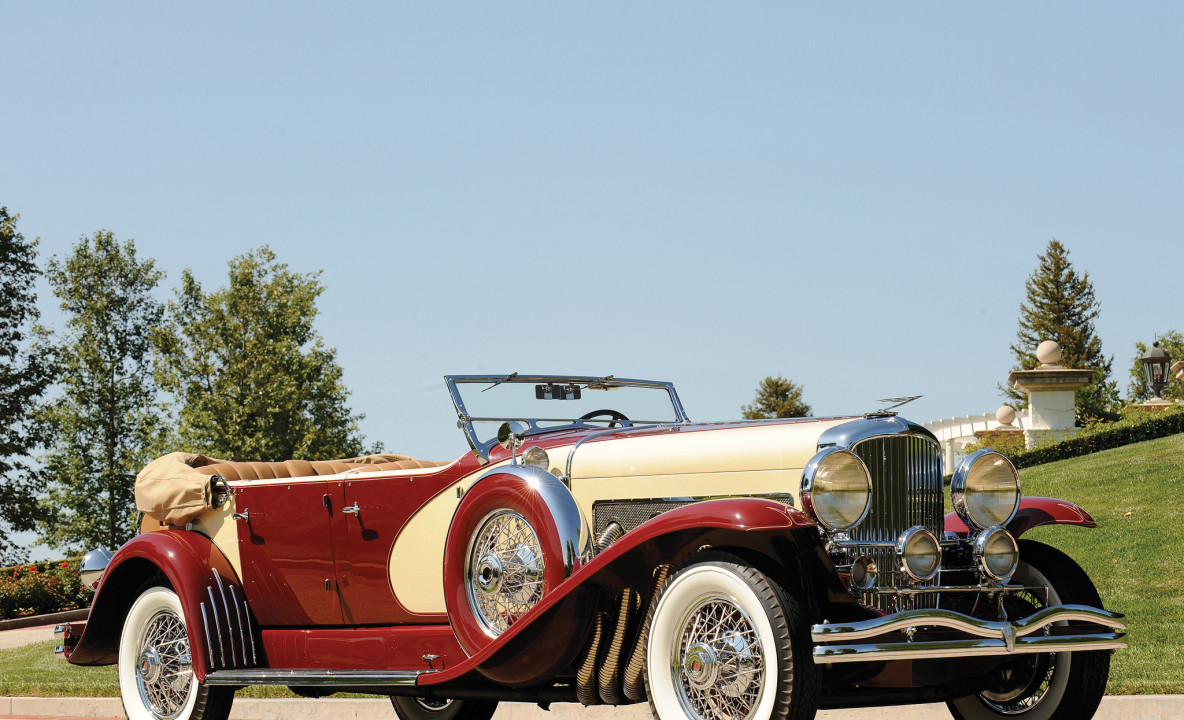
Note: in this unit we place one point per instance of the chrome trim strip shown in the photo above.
(835, 632)
(241, 629)
(226, 612)
(217, 626)
(205, 625)
(251, 634)
(881, 652)
(566, 479)
(315, 678)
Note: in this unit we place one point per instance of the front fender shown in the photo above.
(200, 575)
(763, 526)
(1034, 512)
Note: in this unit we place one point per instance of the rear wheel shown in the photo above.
(412, 708)
(1051, 686)
(156, 680)
(726, 643)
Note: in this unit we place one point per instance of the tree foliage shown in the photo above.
(253, 378)
(24, 376)
(1060, 305)
(776, 397)
(1172, 342)
(108, 419)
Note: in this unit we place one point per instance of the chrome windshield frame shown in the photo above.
(481, 448)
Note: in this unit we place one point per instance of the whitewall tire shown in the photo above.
(1060, 686)
(726, 643)
(156, 680)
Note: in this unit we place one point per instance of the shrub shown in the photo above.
(1136, 425)
(42, 588)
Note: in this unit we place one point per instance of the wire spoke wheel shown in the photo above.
(504, 577)
(719, 671)
(164, 671)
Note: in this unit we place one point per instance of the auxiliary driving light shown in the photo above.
(919, 553)
(996, 553)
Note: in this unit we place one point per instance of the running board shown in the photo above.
(314, 678)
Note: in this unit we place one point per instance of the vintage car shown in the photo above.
(596, 546)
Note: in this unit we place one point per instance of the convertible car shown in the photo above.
(596, 546)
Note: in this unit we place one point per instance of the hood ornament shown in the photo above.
(897, 402)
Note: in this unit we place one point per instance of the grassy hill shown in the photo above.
(1135, 556)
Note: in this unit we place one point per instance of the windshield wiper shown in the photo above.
(507, 378)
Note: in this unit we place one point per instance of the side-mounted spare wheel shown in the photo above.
(517, 535)
(726, 643)
(156, 679)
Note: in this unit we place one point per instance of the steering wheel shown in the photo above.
(616, 418)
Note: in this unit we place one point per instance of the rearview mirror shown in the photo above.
(551, 391)
(511, 435)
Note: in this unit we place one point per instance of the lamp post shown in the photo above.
(1155, 367)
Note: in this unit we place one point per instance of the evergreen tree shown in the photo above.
(253, 378)
(776, 397)
(1172, 343)
(24, 376)
(108, 420)
(1061, 306)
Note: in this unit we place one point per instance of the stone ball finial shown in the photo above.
(1005, 415)
(1048, 352)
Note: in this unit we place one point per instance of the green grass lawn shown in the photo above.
(1135, 560)
(34, 671)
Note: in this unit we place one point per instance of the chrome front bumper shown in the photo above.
(836, 642)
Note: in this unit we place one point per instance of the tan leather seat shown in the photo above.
(303, 468)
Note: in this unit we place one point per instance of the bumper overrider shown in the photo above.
(922, 634)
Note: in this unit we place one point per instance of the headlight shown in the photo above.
(836, 488)
(996, 553)
(537, 457)
(919, 553)
(985, 489)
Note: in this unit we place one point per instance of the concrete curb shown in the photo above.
(1115, 707)
(50, 619)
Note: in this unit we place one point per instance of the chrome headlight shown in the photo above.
(537, 457)
(919, 553)
(985, 490)
(836, 488)
(996, 553)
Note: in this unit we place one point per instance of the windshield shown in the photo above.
(547, 402)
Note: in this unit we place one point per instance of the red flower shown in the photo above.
(66, 564)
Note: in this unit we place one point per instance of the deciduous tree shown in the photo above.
(1060, 305)
(253, 378)
(108, 419)
(24, 376)
(776, 397)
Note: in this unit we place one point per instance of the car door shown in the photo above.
(286, 548)
(377, 507)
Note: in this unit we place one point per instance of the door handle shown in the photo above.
(352, 509)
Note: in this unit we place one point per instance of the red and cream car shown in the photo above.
(596, 546)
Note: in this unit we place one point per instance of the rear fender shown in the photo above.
(749, 526)
(1034, 512)
(218, 620)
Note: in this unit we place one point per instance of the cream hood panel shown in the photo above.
(729, 449)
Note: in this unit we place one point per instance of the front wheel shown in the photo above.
(726, 643)
(1050, 686)
(156, 680)
(413, 708)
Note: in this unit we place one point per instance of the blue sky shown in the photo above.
(708, 193)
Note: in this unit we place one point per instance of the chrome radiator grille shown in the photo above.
(907, 490)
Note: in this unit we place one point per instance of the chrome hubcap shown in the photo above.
(163, 667)
(505, 571)
(718, 668)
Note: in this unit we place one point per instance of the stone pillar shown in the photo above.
(1050, 388)
(1178, 369)
(1005, 416)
